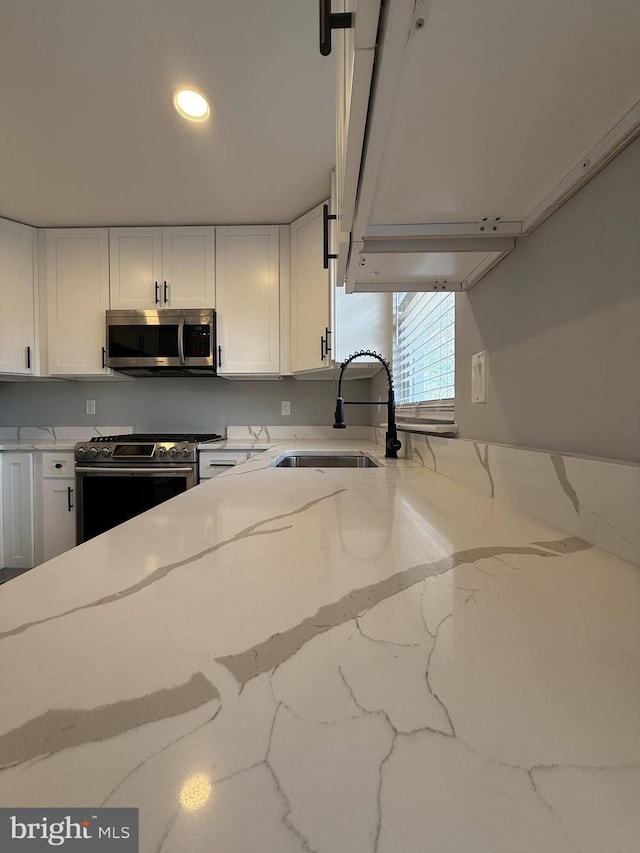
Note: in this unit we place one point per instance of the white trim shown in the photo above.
(620, 135)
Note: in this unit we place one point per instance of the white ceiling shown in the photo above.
(88, 135)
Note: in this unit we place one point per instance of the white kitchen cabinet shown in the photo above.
(311, 330)
(328, 324)
(457, 162)
(162, 267)
(77, 298)
(17, 510)
(248, 300)
(214, 462)
(56, 513)
(18, 351)
(355, 54)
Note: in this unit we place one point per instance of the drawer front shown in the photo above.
(216, 462)
(57, 465)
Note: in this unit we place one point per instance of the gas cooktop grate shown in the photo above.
(196, 437)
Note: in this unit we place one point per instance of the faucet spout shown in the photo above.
(392, 444)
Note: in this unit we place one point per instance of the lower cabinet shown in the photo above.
(38, 507)
(55, 505)
(18, 510)
(214, 462)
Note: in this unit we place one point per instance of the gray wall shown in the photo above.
(177, 404)
(560, 320)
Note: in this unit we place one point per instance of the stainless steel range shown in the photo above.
(121, 476)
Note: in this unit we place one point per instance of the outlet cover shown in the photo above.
(90, 407)
(479, 378)
(285, 407)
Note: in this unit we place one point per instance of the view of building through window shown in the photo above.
(424, 346)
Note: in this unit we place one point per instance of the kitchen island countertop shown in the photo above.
(330, 660)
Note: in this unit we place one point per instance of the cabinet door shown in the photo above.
(355, 55)
(17, 315)
(188, 267)
(247, 299)
(136, 268)
(17, 510)
(310, 294)
(58, 517)
(77, 281)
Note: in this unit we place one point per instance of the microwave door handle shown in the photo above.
(181, 341)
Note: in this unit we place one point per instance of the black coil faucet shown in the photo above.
(392, 445)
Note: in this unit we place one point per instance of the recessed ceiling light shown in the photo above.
(191, 104)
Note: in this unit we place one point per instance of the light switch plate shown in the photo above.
(285, 407)
(90, 407)
(479, 377)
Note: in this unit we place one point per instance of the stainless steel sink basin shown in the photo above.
(325, 459)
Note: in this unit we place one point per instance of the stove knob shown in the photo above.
(106, 451)
(173, 452)
(81, 451)
(93, 451)
(161, 451)
(186, 451)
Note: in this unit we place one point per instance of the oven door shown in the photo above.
(110, 494)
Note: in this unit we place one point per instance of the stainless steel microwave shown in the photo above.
(164, 342)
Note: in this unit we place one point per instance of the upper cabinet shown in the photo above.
(162, 267)
(17, 297)
(328, 324)
(481, 119)
(311, 326)
(76, 262)
(248, 300)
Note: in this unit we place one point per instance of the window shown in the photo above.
(424, 351)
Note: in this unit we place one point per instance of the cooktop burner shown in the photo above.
(195, 437)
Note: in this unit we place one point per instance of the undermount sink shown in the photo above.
(325, 459)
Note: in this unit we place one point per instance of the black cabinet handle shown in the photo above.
(28, 358)
(331, 21)
(166, 290)
(157, 293)
(327, 332)
(104, 358)
(322, 352)
(326, 216)
(219, 356)
(58, 465)
(69, 498)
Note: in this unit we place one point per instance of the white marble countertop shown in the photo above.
(37, 444)
(367, 661)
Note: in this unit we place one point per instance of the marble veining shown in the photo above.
(595, 499)
(66, 728)
(401, 664)
(278, 648)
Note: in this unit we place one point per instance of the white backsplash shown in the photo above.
(595, 499)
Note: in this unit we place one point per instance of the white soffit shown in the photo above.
(497, 103)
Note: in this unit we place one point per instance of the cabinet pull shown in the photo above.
(219, 356)
(104, 358)
(326, 216)
(322, 352)
(327, 332)
(69, 498)
(28, 358)
(331, 21)
(59, 465)
(157, 293)
(166, 292)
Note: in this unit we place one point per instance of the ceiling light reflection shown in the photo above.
(195, 792)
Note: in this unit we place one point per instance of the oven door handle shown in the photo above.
(181, 341)
(151, 469)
